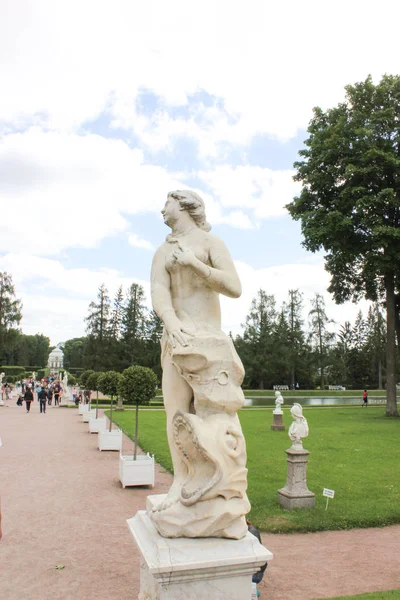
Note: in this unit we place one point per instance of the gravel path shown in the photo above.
(63, 505)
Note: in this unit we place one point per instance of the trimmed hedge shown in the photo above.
(14, 370)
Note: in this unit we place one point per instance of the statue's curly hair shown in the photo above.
(192, 202)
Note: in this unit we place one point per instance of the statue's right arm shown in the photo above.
(162, 300)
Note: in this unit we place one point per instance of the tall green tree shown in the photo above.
(320, 336)
(294, 310)
(375, 344)
(10, 316)
(258, 339)
(153, 332)
(117, 314)
(349, 204)
(97, 327)
(134, 323)
(74, 352)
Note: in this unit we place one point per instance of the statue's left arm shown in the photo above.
(221, 275)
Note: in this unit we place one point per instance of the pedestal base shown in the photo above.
(278, 425)
(96, 425)
(201, 568)
(110, 440)
(90, 414)
(296, 494)
(136, 472)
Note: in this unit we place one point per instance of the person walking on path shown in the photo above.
(50, 394)
(28, 397)
(365, 398)
(42, 396)
(57, 390)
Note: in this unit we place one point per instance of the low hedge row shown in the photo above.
(14, 370)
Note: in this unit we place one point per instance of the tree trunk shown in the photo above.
(380, 384)
(111, 407)
(391, 403)
(136, 431)
(97, 404)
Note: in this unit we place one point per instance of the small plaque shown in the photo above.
(328, 493)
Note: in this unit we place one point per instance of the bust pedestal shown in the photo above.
(296, 494)
(277, 424)
(201, 568)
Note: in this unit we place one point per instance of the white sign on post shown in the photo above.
(328, 494)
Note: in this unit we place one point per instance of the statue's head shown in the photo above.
(297, 411)
(189, 201)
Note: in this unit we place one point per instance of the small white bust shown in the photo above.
(299, 427)
(278, 403)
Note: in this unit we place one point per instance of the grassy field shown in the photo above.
(354, 451)
(373, 596)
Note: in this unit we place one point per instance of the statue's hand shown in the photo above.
(183, 255)
(178, 332)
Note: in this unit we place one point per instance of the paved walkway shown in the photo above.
(63, 504)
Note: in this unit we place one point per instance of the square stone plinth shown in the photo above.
(277, 424)
(201, 568)
(296, 494)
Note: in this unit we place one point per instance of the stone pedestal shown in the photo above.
(200, 568)
(296, 494)
(277, 424)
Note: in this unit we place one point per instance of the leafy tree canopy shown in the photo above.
(138, 385)
(349, 203)
(108, 382)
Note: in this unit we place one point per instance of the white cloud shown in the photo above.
(261, 190)
(62, 190)
(269, 63)
(138, 242)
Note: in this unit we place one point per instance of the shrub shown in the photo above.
(13, 370)
(138, 385)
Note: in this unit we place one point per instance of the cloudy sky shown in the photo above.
(107, 105)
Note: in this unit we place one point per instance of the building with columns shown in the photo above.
(56, 360)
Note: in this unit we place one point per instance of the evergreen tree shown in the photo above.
(360, 372)
(296, 340)
(375, 345)
(116, 315)
(321, 337)
(258, 340)
(342, 354)
(97, 327)
(153, 333)
(133, 324)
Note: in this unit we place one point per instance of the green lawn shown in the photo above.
(373, 596)
(354, 451)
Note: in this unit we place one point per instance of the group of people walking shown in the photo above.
(45, 394)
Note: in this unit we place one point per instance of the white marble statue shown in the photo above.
(2, 375)
(299, 428)
(278, 403)
(202, 375)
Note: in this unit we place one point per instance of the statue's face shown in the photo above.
(171, 211)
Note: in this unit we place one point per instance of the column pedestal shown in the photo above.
(296, 494)
(201, 568)
(278, 425)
